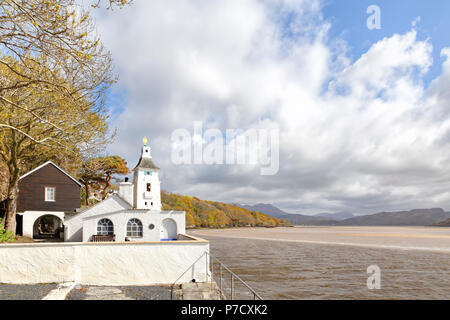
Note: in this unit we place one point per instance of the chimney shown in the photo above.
(126, 191)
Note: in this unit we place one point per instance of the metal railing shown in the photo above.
(182, 275)
(223, 273)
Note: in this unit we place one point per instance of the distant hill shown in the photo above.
(296, 219)
(264, 208)
(336, 216)
(417, 217)
(212, 214)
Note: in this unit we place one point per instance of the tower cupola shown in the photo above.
(147, 192)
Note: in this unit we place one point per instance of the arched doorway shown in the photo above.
(168, 230)
(48, 227)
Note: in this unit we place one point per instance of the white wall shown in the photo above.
(104, 263)
(74, 225)
(120, 220)
(126, 192)
(140, 181)
(30, 217)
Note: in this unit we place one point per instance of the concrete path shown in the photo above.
(120, 293)
(72, 291)
(25, 292)
(61, 292)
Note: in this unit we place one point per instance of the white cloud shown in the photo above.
(361, 136)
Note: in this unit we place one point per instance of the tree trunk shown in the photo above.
(11, 207)
(13, 185)
(107, 184)
(86, 191)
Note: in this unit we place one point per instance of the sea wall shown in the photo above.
(130, 263)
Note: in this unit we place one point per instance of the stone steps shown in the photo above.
(199, 291)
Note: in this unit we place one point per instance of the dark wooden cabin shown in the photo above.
(48, 188)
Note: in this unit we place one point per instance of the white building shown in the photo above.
(133, 214)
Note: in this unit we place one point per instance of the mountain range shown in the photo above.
(296, 219)
(416, 217)
(336, 216)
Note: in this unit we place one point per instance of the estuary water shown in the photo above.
(332, 262)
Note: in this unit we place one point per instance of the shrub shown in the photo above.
(5, 236)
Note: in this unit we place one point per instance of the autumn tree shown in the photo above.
(111, 167)
(211, 214)
(98, 173)
(54, 73)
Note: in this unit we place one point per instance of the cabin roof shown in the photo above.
(47, 163)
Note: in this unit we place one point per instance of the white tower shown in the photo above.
(147, 194)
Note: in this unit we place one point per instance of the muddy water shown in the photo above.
(414, 262)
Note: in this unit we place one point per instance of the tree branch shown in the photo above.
(42, 141)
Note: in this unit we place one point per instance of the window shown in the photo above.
(149, 187)
(49, 194)
(105, 227)
(134, 228)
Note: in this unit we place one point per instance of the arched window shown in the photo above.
(134, 228)
(105, 227)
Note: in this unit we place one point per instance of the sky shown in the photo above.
(362, 114)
